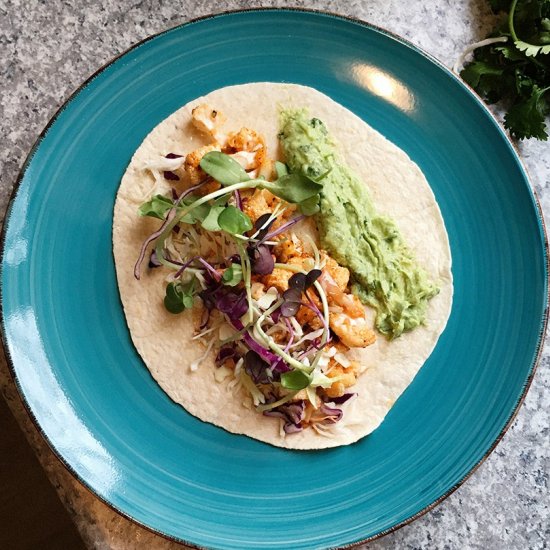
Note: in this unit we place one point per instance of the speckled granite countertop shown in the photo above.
(49, 48)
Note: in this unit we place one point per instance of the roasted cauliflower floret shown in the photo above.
(347, 376)
(208, 120)
(279, 277)
(246, 140)
(287, 248)
(307, 315)
(192, 163)
(247, 159)
(257, 204)
(339, 274)
(353, 332)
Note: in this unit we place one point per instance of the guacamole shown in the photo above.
(384, 273)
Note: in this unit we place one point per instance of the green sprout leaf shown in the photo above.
(211, 221)
(156, 207)
(234, 221)
(293, 188)
(223, 168)
(198, 214)
(310, 206)
(295, 380)
(233, 275)
(179, 297)
(159, 205)
(281, 168)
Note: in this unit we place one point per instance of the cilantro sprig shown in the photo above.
(517, 71)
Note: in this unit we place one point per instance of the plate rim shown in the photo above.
(307, 11)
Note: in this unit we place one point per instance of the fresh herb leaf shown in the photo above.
(473, 73)
(517, 71)
(295, 380)
(531, 50)
(223, 168)
(526, 117)
(234, 221)
(499, 5)
(233, 275)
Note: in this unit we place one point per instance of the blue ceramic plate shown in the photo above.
(95, 401)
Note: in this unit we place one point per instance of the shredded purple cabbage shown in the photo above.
(292, 413)
(256, 368)
(153, 260)
(205, 317)
(339, 400)
(232, 304)
(173, 156)
(169, 175)
(229, 351)
(331, 414)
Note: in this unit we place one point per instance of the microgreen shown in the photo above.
(281, 169)
(234, 221)
(293, 188)
(262, 225)
(261, 260)
(292, 302)
(233, 275)
(210, 222)
(223, 168)
(298, 283)
(295, 380)
(310, 206)
(159, 205)
(179, 297)
(156, 207)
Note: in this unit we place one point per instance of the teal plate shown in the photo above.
(93, 398)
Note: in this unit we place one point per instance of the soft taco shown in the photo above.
(284, 269)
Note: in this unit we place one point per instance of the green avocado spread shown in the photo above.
(384, 273)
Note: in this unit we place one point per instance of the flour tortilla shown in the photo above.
(164, 341)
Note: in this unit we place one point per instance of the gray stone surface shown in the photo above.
(49, 47)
